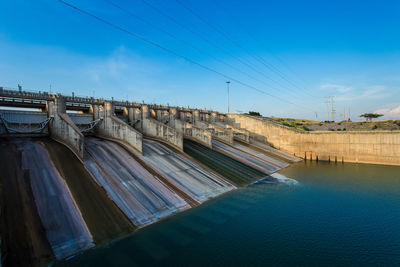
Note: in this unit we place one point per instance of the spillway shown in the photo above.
(234, 170)
(137, 192)
(263, 156)
(64, 227)
(197, 182)
(246, 158)
(103, 218)
(266, 149)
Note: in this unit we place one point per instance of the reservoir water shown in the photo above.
(335, 215)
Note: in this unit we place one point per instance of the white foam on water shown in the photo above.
(283, 179)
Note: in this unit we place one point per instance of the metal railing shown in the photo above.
(28, 126)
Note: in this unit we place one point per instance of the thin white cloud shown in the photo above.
(352, 93)
(336, 87)
(388, 113)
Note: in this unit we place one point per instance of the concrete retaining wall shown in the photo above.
(188, 129)
(199, 135)
(377, 147)
(239, 134)
(114, 128)
(219, 133)
(63, 129)
(154, 128)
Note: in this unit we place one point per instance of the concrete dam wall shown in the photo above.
(378, 147)
(118, 166)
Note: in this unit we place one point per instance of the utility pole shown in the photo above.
(344, 114)
(327, 108)
(227, 85)
(333, 109)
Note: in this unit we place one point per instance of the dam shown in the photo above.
(78, 173)
(82, 172)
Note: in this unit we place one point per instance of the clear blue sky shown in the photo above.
(349, 49)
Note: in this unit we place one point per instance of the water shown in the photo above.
(335, 215)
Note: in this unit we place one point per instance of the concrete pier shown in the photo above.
(178, 121)
(62, 127)
(114, 128)
(154, 128)
(222, 134)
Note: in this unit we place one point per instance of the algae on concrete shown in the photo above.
(103, 218)
(235, 171)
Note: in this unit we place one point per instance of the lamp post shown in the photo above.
(227, 84)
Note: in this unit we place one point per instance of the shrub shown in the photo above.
(305, 128)
(375, 127)
(254, 113)
(288, 124)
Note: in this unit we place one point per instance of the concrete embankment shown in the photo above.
(103, 218)
(377, 147)
(245, 157)
(200, 184)
(272, 160)
(23, 236)
(139, 194)
(233, 170)
(65, 228)
(40, 213)
(273, 152)
(52, 207)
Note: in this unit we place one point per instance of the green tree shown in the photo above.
(254, 113)
(370, 116)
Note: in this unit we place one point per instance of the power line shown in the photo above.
(236, 20)
(226, 36)
(171, 51)
(210, 42)
(184, 42)
(256, 40)
(181, 40)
